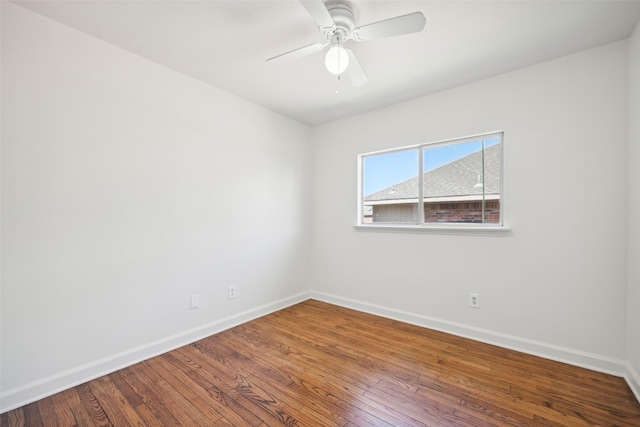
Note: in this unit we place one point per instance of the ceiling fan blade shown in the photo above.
(297, 53)
(405, 24)
(355, 72)
(318, 12)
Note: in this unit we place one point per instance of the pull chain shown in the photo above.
(339, 68)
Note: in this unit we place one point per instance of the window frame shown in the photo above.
(421, 225)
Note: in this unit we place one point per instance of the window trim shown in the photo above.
(440, 227)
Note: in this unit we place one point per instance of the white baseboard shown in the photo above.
(20, 396)
(37, 390)
(570, 356)
(633, 379)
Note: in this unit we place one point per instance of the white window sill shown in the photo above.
(493, 230)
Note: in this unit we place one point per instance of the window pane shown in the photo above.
(462, 182)
(390, 187)
(454, 181)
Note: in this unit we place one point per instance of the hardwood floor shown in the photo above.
(315, 364)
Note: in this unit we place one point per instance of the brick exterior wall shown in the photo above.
(470, 212)
(454, 212)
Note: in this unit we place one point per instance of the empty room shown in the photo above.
(320, 213)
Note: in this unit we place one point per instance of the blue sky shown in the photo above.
(384, 170)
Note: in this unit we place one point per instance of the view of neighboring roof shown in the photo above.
(456, 179)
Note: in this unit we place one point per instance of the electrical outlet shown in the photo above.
(474, 300)
(195, 301)
(232, 291)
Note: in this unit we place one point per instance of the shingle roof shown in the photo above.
(458, 178)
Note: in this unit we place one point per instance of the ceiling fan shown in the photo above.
(336, 23)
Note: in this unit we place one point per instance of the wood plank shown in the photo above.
(49, 413)
(236, 381)
(81, 412)
(91, 405)
(201, 371)
(115, 405)
(13, 418)
(151, 404)
(190, 390)
(319, 364)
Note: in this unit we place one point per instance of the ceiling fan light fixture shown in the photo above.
(336, 60)
(336, 22)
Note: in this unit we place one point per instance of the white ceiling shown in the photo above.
(226, 43)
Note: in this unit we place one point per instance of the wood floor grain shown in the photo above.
(315, 364)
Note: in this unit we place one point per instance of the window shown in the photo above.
(460, 182)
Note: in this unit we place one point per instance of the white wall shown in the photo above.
(127, 187)
(556, 284)
(633, 299)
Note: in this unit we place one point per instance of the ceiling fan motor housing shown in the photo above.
(342, 15)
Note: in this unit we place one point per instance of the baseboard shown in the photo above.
(37, 390)
(633, 379)
(20, 396)
(570, 356)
